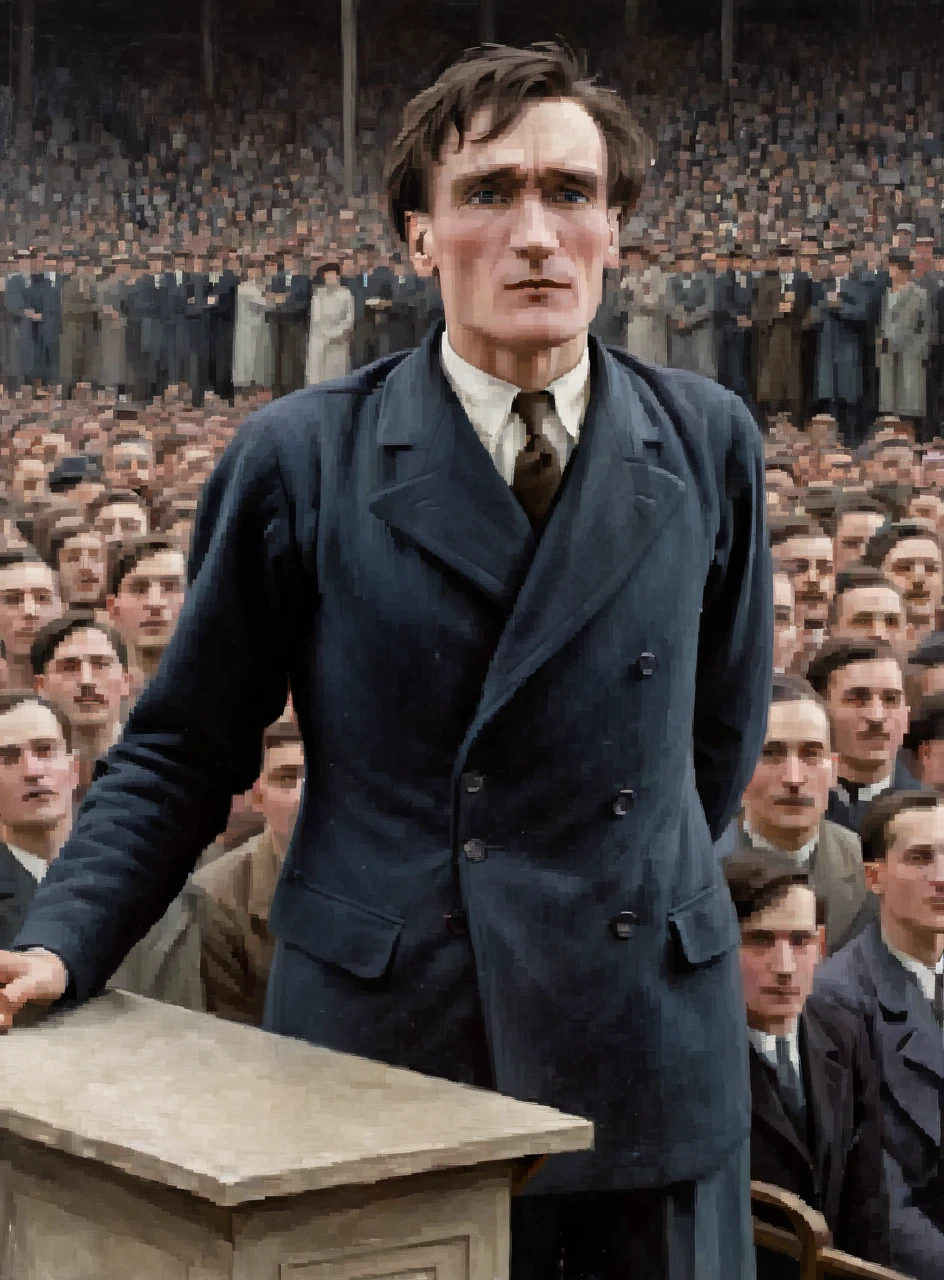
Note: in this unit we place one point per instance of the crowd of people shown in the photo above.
(169, 273)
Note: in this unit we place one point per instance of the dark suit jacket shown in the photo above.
(503, 869)
(836, 1167)
(850, 816)
(908, 1049)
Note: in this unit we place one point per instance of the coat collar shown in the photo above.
(439, 488)
(911, 1044)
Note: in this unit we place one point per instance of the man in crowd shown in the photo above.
(807, 555)
(786, 637)
(868, 606)
(242, 881)
(815, 1108)
(910, 555)
(862, 683)
(78, 556)
(785, 806)
(856, 520)
(145, 595)
(29, 598)
(130, 467)
(892, 976)
(928, 660)
(81, 665)
(119, 515)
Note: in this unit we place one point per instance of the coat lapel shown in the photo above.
(767, 1109)
(612, 506)
(438, 485)
(911, 1045)
(825, 1082)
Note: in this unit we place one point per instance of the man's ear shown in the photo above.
(821, 935)
(419, 238)
(39, 684)
(255, 797)
(873, 876)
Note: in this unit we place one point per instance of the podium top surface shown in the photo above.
(234, 1114)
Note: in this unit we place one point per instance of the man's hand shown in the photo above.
(36, 977)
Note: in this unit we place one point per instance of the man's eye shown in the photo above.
(490, 194)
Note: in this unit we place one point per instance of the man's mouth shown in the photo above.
(40, 793)
(532, 285)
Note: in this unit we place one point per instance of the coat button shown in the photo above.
(645, 664)
(457, 922)
(474, 850)
(472, 782)
(623, 802)
(622, 926)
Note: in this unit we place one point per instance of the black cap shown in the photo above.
(900, 257)
(930, 652)
(72, 471)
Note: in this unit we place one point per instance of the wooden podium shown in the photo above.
(139, 1141)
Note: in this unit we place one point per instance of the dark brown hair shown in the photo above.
(882, 812)
(128, 555)
(505, 79)
(837, 654)
(759, 878)
(11, 698)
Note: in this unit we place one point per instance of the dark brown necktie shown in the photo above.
(537, 466)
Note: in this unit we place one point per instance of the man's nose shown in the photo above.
(29, 606)
(155, 596)
(533, 233)
(783, 961)
(793, 771)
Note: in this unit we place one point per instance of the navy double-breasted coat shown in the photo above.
(519, 750)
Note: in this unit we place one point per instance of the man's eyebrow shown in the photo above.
(585, 177)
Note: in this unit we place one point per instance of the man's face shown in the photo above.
(789, 790)
(910, 881)
(785, 631)
(838, 468)
(129, 467)
(852, 533)
(872, 613)
(869, 713)
(779, 952)
(914, 565)
(927, 506)
(932, 680)
(331, 279)
(894, 465)
(119, 521)
(929, 763)
(82, 567)
(530, 205)
(149, 601)
(37, 773)
(279, 789)
(29, 598)
(29, 480)
(85, 679)
(809, 561)
(194, 465)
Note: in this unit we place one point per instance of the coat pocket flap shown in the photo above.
(706, 926)
(336, 930)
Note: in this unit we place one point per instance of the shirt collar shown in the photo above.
(802, 855)
(922, 972)
(37, 867)
(487, 400)
(866, 793)
(765, 1042)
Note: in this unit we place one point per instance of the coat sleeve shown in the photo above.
(735, 642)
(863, 1226)
(163, 792)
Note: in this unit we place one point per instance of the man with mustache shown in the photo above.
(78, 556)
(910, 554)
(815, 1109)
(785, 806)
(863, 686)
(892, 976)
(81, 666)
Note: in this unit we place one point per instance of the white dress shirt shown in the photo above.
(765, 1042)
(802, 855)
(487, 401)
(866, 793)
(37, 867)
(921, 971)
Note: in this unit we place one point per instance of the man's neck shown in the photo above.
(773, 1026)
(864, 772)
(149, 660)
(20, 673)
(528, 369)
(42, 842)
(789, 841)
(92, 741)
(922, 945)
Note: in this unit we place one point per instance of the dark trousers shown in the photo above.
(689, 1231)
